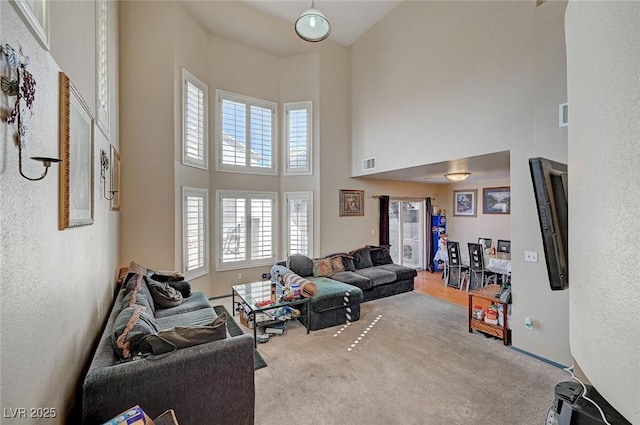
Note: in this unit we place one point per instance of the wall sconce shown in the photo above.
(23, 86)
(104, 167)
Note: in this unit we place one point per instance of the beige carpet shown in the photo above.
(415, 364)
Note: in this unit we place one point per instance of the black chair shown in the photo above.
(487, 242)
(504, 246)
(456, 271)
(478, 275)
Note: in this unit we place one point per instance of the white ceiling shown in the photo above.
(267, 25)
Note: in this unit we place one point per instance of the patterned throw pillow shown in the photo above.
(322, 267)
(336, 264)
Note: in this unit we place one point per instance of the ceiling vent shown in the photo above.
(368, 164)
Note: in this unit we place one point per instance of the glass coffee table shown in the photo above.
(255, 294)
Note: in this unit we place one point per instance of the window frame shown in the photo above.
(202, 163)
(204, 195)
(288, 171)
(220, 96)
(308, 196)
(247, 262)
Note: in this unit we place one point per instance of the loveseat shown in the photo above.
(344, 280)
(208, 383)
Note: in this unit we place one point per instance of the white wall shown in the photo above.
(57, 286)
(603, 69)
(440, 81)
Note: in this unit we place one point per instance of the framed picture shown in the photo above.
(465, 203)
(351, 203)
(76, 150)
(496, 200)
(35, 13)
(115, 179)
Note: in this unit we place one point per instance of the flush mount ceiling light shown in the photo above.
(312, 25)
(457, 177)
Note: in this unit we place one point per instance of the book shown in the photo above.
(276, 328)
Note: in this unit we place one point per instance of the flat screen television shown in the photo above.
(549, 180)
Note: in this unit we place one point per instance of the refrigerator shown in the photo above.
(438, 227)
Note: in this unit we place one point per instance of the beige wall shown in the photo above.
(57, 286)
(447, 80)
(604, 232)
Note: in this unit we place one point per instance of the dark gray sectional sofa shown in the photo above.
(366, 274)
(209, 383)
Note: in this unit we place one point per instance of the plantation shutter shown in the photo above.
(195, 231)
(195, 122)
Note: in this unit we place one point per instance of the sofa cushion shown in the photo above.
(197, 301)
(184, 286)
(189, 318)
(362, 258)
(337, 264)
(354, 279)
(135, 282)
(164, 296)
(380, 255)
(136, 298)
(300, 264)
(347, 260)
(333, 294)
(131, 326)
(322, 267)
(402, 272)
(377, 276)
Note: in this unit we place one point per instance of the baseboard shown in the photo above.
(542, 359)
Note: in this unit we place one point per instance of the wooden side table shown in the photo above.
(490, 293)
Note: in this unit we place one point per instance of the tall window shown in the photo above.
(195, 133)
(246, 223)
(195, 231)
(299, 223)
(102, 66)
(298, 146)
(245, 134)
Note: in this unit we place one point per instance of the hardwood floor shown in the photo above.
(432, 284)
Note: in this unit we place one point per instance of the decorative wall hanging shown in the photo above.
(465, 202)
(496, 200)
(21, 84)
(351, 203)
(76, 148)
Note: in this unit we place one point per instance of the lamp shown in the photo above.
(457, 177)
(104, 167)
(312, 25)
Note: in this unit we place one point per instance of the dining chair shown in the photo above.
(504, 246)
(487, 242)
(456, 271)
(478, 275)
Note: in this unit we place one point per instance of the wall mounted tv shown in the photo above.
(549, 180)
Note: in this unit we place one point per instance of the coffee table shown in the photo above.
(257, 292)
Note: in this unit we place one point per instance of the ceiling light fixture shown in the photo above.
(457, 177)
(312, 25)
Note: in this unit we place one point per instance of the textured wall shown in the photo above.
(603, 47)
(56, 286)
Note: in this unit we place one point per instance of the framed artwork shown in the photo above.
(35, 13)
(465, 203)
(115, 179)
(351, 203)
(76, 150)
(496, 200)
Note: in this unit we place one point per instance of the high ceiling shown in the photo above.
(267, 25)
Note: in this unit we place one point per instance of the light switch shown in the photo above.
(531, 256)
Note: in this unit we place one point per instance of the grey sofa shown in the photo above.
(366, 274)
(211, 383)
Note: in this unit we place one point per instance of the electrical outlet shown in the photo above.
(528, 323)
(373, 232)
(531, 256)
(239, 276)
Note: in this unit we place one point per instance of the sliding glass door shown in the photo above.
(406, 232)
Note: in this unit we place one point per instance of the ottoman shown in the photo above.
(334, 304)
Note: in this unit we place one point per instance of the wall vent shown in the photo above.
(368, 164)
(563, 115)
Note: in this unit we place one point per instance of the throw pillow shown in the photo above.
(300, 264)
(167, 276)
(322, 267)
(130, 328)
(307, 288)
(182, 286)
(362, 258)
(380, 255)
(170, 340)
(135, 282)
(134, 298)
(163, 295)
(336, 264)
(347, 260)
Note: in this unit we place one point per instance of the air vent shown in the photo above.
(563, 115)
(368, 164)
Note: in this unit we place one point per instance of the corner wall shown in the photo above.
(57, 286)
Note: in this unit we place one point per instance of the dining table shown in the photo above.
(499, 263)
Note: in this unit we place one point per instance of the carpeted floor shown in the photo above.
(414, 362)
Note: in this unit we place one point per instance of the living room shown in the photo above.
(442, 80)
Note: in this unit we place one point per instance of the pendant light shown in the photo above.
(312, 25)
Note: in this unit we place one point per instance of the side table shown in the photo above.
(490, 293)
